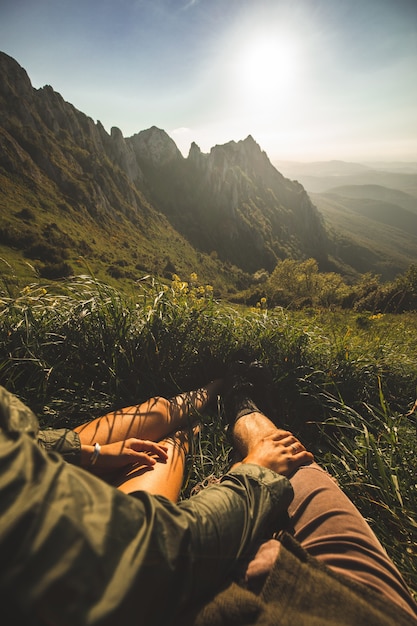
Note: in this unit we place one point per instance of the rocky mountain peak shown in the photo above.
(195, 157)
(194, 152)
(154, 147)
(14, 80)
(246, 155)
(123, 154)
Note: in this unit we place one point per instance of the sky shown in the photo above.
(310, 80)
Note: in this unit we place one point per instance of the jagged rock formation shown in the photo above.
(246, 210)
(231, 202)
(59, 143)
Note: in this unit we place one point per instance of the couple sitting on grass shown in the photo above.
(273, 542)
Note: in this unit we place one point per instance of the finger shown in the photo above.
(144, 445)
(141, 458)
(160, 450)
(280, 435)
(285, 437)
(293, 443)
(302, 458)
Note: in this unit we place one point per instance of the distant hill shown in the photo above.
(321, 169)
(378, 193)
(369, 234)
(370, 214)
(378, 211)
(404, 167)
(323, 176)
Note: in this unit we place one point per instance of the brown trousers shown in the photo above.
(330, 528)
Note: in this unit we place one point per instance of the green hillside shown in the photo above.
(43, 235)
(378, 211)
(396, 197)
(369, 234)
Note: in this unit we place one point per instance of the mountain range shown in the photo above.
(73, 196)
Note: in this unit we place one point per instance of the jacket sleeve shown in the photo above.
(76, 551)
(64, 441)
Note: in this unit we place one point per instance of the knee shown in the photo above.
(161, 408)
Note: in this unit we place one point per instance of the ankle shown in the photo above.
(249, 430)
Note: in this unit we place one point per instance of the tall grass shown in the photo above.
(345, 383)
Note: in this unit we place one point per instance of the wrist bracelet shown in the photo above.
(96, 454)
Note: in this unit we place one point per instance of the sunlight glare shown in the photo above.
(267, 67)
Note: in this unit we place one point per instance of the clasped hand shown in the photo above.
(132, 451)
(281, 452)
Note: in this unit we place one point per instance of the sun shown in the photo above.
(266, 68)
(266, 62)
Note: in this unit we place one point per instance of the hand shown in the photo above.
(119, 454)
(281, 452)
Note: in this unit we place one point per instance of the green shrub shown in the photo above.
(46, 252)
(52, 271)
(26, 214)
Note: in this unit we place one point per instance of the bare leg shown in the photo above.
(254, 428)
(164, 479)
(153, 419)
(249, 430)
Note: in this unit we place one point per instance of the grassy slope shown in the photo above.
(383, 213)
(110, 248)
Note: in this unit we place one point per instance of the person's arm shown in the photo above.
(111, 456)
(89, 554)
(101, 459)
(226, 519)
